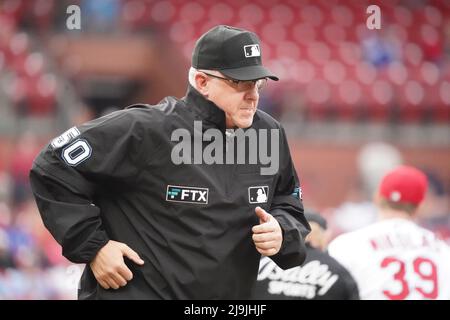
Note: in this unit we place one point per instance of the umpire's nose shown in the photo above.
(252, 93)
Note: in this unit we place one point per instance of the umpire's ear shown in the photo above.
(201, 83)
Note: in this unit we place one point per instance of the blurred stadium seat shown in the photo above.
(318, 32)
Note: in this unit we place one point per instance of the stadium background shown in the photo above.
(354, 101)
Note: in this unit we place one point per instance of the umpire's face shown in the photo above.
(238, 99)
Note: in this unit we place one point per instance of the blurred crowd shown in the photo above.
(31, 264)
(399, 73)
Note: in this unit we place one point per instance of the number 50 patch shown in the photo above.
(76, 152)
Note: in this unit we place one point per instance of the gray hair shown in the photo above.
(191, 76)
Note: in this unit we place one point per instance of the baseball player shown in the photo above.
(394, 258)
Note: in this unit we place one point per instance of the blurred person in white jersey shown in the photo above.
(394, 258)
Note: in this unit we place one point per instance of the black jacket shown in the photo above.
(321, 277)
(110, 178)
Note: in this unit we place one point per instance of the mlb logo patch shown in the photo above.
(187, 194)
(258, 194)
(252, 51)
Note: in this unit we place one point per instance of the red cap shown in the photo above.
(404, 184)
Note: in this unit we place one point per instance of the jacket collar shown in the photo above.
(204, 109)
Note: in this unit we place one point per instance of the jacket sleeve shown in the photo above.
(287, 208)
(70, 170)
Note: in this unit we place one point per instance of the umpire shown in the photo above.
(148, 228)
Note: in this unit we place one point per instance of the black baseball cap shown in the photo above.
(235, 52)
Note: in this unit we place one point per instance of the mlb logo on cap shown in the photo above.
(252, 51)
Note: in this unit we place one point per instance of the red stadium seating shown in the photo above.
(317, 44)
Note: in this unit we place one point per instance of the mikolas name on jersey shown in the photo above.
(191, 150)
